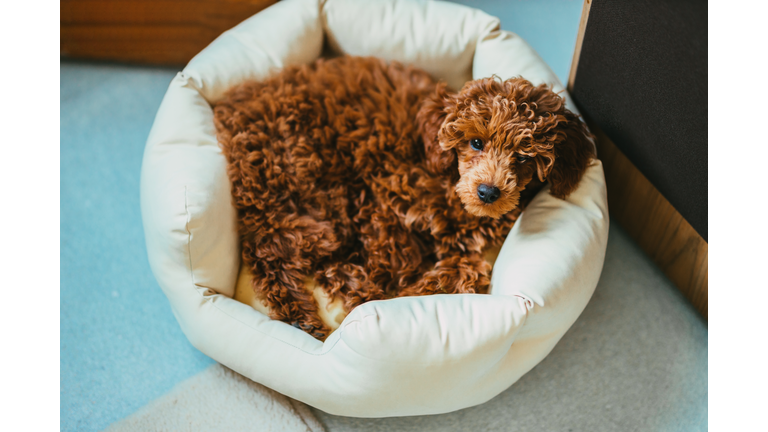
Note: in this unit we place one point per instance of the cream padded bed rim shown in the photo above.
(407, 356)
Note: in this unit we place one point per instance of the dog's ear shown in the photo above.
(573, 152)
(434, 112)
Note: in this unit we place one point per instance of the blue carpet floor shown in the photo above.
(120, 344)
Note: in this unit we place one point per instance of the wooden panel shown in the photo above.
(670, 241)
(165, 32)
(579, 41)
(635, 204)
(642, 77)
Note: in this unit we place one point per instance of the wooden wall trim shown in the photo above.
(665, 236)
(159, 32)
(579, 40)
(668, 239)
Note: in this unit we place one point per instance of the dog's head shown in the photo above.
(493, 137)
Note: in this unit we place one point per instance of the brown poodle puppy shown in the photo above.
(378, 182)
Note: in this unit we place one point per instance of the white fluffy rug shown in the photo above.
(218, 399)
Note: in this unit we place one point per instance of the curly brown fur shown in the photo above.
(361, 174)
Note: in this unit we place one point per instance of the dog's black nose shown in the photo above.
(488, 193)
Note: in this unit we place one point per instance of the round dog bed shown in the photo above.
(406, 356)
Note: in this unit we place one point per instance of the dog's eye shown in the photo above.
(476, 144)
(522, 159)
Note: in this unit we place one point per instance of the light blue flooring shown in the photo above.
(120, 344)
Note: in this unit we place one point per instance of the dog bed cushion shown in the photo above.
(406, 356)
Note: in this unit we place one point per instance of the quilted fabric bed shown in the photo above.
(407, 356)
